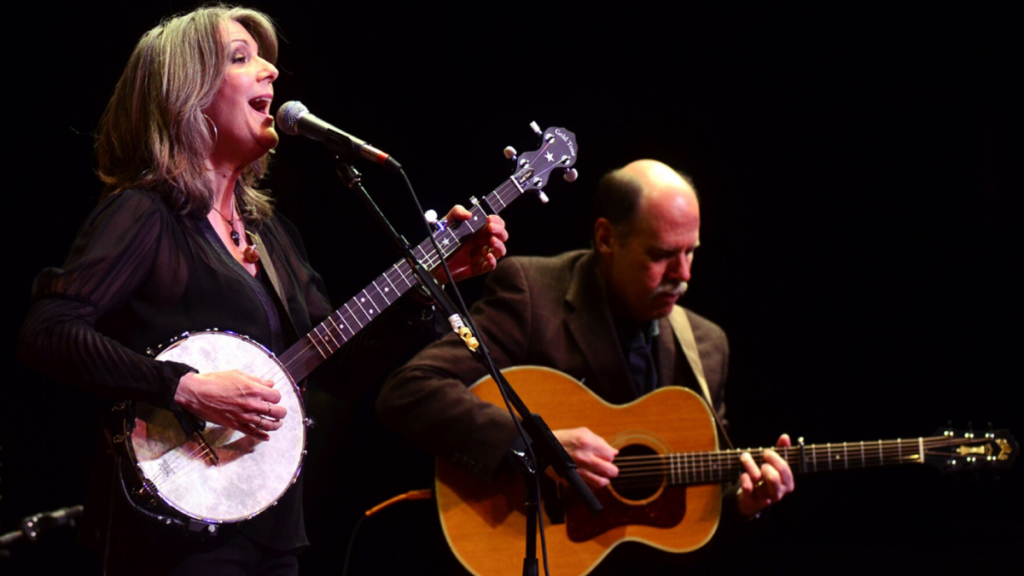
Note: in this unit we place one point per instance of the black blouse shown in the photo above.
(138, 275)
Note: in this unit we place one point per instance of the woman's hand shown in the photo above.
(480, 252)
(233, 399)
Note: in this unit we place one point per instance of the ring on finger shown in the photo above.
(260, 423)
(268, 409)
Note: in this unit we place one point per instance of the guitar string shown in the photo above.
(701, 464)
(888, 448)
(816, 448)
(685, 477)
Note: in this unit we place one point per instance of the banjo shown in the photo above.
(219, 475)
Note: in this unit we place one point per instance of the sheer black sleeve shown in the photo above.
(114, 253)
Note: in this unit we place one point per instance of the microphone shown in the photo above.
(294, 118)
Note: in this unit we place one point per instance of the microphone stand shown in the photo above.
(539, 435)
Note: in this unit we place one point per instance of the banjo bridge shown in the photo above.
(209, 454)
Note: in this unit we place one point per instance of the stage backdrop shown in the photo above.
(860, 244)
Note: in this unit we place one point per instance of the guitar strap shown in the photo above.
(268, 267)
(684, 333)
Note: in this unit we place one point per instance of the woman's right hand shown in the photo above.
(233, 399)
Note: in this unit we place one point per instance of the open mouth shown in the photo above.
(261, 104)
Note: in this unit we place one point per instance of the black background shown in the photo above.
(860, 242)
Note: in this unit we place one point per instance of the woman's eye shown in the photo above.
(239, 57)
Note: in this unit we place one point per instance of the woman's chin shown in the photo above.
(269, 139)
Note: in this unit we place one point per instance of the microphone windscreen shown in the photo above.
(288, 116)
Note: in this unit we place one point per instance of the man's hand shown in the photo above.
(761, 487)
(480, 252)
(593, 456)
(233, 399)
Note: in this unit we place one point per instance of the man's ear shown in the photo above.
(604, 236)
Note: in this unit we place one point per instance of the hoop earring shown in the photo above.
(216, 135)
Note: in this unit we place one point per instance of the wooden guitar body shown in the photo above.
(485, 524)
(668, 491)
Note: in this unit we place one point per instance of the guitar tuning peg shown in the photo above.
(543, 197)
(571, 175)
(510, 153)
(536, 129)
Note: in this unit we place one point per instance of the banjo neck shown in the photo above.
(557, 151)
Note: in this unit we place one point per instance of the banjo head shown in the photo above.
(248, 475)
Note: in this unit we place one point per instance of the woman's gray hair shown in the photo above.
(154, 134)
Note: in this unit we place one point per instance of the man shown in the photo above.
(599, 315)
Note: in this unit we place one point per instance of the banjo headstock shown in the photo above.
(557, 151)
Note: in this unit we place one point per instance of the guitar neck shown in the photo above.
(345, 322)
(722, 466)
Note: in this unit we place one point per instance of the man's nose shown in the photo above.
(680, 268)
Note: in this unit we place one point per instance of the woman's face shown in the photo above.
(241, 107)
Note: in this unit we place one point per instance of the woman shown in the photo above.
(182, 240)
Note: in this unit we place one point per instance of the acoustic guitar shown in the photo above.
(668, 492)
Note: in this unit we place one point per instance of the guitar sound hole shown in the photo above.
(640, 473)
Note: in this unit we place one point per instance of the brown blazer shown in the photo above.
(537, 311)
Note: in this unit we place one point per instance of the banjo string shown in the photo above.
(185, 461)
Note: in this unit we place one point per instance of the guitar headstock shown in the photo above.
(557, 152)
(952, 450)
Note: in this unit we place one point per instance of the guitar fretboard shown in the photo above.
(689, 468)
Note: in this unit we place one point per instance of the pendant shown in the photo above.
(235, 237)
(251, 254)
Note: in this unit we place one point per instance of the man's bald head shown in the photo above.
(621, 191)
(646, 228)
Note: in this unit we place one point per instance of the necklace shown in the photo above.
(231, 222)
(251, 253)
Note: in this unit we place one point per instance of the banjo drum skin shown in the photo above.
(243, 476)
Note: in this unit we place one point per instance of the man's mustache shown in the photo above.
(671, 288)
